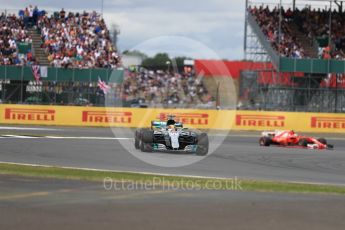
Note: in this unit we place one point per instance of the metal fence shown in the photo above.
(57, 93)
(305, 95)
(58, 86)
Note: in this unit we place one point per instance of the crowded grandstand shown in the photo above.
(79, 40)
(12, 32)
(303, 48)
(312, 23)
(70, 48)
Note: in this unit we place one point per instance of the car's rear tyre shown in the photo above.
(137, 143)
(203, 145)
(137, 140)
(265, 141)
(303, 142)
(322, 141)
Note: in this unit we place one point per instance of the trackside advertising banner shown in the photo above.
(201, 119)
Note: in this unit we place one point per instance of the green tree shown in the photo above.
(135, 53)
(161, 61)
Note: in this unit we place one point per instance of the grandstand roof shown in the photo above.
(294, 3)
(330, 1)
(321, 0)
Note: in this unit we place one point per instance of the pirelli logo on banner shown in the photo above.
(187, 118)
(260, 121)
(15, 114)
(106, 117)
(328, 122)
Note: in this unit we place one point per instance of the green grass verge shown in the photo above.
(170, 181)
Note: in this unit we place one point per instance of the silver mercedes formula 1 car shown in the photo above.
(171, 136)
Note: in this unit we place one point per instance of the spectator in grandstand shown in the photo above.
(326, 53)
(62, 14)
(35, 15)
(31, 12)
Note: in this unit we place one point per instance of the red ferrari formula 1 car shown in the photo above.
(290, 138)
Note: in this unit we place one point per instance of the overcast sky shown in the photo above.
(171, 25)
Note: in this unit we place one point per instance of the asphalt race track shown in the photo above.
(36, 203)
(238, 156)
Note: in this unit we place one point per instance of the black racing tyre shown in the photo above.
(146, 147)
(137, 139)
(146, 140)
(322, 140)
(303, 142)
(265, 141)
(330, 146)
(147, 136)
(203, 145)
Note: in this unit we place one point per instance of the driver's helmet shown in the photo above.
(171, 122)
(292, 133)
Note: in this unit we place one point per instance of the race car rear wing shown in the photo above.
(268, 133)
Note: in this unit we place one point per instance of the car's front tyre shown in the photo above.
(303, 142)
(203, 145)
(145, 147)
(265, 141)
(146, 141)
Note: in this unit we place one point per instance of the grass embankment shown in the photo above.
(170, 181)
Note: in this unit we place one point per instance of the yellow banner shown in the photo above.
(201, 119)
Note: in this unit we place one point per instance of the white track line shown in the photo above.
(71, 138)
(166, 174)
(19, 137)
(32, 129)
(258, 136)
(89, 138)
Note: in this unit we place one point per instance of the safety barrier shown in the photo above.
(202, 119)
(24, 73)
